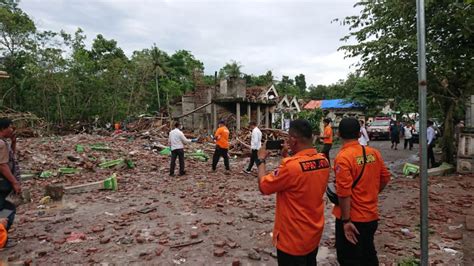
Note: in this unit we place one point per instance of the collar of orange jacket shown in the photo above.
(350, 143)
(309, 151)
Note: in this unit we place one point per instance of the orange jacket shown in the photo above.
(300, 183)
(327, 135)
(3, 236)
(222, 137)
(364, 197)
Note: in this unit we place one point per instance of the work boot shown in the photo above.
(246, 171)
(183, 173)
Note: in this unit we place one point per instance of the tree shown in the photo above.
(367, 94)
(16, 30)
(16, 27)
(314, 117)
(385, 32)
(231, 70)
(300, 82)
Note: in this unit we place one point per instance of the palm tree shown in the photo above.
(231, 70)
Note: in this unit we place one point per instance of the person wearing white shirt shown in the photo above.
(430, 136)
(364, 137)
(176, 141)
(408, 136)
(255, 144)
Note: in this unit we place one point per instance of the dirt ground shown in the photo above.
(205, 218)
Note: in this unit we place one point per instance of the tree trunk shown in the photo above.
(157, 90)
(447, 142)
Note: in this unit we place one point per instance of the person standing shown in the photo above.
(300, 183)
(255, 145)
(395, 134)
(9, 171)
(408, 136)
(221, 138)
(431, 137)
(357, 213)
(327, 138)
(176, 141)
(364, 137)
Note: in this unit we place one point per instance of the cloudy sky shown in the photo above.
(286, 36)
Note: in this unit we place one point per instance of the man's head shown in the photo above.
(349, 128)
(6, 129)
(326, 121)
(430, 123)
(252, 125)
(300, 135)
(177, 125)
(361, 122)
(221, 123)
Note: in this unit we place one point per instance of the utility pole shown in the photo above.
(420, 19)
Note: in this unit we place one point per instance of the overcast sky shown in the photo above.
(284, 36)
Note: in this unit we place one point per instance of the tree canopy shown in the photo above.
(385, 32)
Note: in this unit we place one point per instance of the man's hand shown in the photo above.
(263, 153)
(17, 187)
(350, 231)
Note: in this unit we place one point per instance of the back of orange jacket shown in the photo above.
(364, 196)
(300, 183)
(222, 137)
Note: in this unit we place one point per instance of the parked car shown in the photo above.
(416, 135)
(379, 129)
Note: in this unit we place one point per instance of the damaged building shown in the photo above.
(231, 100)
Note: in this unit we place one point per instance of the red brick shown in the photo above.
(219, 252)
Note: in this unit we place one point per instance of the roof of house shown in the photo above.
(255, 91)
(313, 104)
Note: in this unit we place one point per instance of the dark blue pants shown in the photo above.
(285, 259)
(361, 254)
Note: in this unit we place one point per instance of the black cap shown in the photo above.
(349, 128)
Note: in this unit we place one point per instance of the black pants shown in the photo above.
(285, 259)
(431, 157)
(408, 142)
(363, 253)
(5, 204)
(253, 158)
(325, 151)
(218, 153)
(180, 154)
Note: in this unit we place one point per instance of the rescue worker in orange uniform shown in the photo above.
(300, 183)
(222, 146)
(357, 214)
(327, 138)
(3, 232)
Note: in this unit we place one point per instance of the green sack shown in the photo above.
(166, 151)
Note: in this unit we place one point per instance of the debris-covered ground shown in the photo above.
(204, 217)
